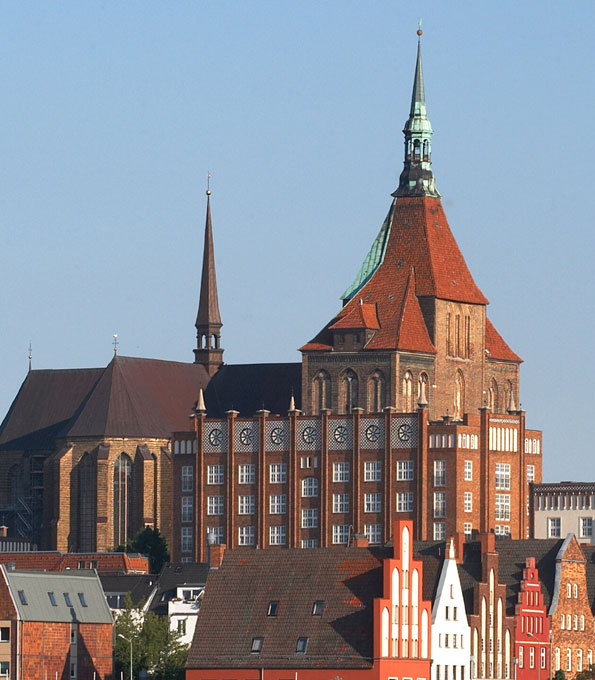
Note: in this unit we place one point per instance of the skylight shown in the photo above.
(82, 599)
(302, 645)
(256, 645)
(67, 600)
(273, 608)
(52, 599)
(22, 597)
(318, 608)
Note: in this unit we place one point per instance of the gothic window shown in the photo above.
(348, 392)
(321, 392)
(493, 396)
(459, 397)
(448, 336)
(376, 392)
(426, 148)
(123, 500)
(458, 335)
(407, 392)
(416, 150)
(508, 392)
(467, 347)
(423, 385)
(87, 501)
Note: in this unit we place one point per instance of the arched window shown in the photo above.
(310, 487)
(87, 504)
(123, 501)
(493, 396)
(509, 403)
(459, 397)
(407, 404)
(416, 150)
(348, 394)
(426, 148)
(321, 392)
(423, 391)
(376, 392)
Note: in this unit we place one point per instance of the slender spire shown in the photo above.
(208, 320)
(417, 178)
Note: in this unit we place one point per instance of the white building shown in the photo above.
(451, 633)
(557, 510)
(183, 609)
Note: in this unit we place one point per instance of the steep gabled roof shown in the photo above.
(45, 406)
(419, 240)
(496, 347)
(237, 595)
(140, 398)
(362, 315)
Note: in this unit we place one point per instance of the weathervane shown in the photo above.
(115, 343)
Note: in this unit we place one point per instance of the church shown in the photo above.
(404, 406)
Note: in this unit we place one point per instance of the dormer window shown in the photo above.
(318, 608)
(256, 647)
(302, 645)
(273, 608)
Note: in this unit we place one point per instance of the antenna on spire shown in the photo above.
(30, 354)
(419, 31)
(115, 343)
(208, 183)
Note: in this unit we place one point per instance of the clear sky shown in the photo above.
(113, 112)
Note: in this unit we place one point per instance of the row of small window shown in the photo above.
(439, 530)
(278, 534)
(579, 659)
(317, 608)
(278, 503)
(447, 441)
(52, 597)
(503, 439)
(451, 640)
(565, 502)
(567, 620)
(300, 648)
(185, 446)
(531, 657)
(532, 446)
(554, 527)
(451, 672)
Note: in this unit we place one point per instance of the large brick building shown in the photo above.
(86, 456)
(412, 334)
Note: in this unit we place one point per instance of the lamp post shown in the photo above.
(130, 643)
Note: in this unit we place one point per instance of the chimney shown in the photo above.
(360, 541)
(459, 541)
(488, 543)
(216, 556)
(3, 531)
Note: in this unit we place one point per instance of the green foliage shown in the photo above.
(148, 541)
(155, 648)
(560, 675)
(587, 674)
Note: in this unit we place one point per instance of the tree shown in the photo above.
(155, 648)
(587, 674)
(560, 675)
(149, 541)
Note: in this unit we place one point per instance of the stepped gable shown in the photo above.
(140, 398)
(420, 240)
(45, 406)
(247, 388)
(496, 346)
(235, 604)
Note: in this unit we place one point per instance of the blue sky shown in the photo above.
(114, 112)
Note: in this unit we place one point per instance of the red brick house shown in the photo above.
(104, 563)
(349, 612)
(54, 625)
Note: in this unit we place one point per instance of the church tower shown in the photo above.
(208, 350)
(413, 328)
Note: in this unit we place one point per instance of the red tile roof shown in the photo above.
(496, 346)
(362, 315)
(420, 240)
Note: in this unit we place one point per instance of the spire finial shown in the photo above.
(208, 192)
(115, 343)
(30, 354)
(419, 31)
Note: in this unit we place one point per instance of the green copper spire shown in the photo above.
(417, 178)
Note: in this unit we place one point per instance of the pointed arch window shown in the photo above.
(459, 397)
(123, 500)
(426, 148)
(408, 392)
(376, 392)
(321, 392)
(423, 385)
(87, 503)
(349, 388)
(493, 396)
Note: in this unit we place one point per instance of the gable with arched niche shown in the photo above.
(377, 396)
(348, 391)
(321, 392)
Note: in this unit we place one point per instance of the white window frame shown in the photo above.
(186, 507)
(468, 471)
(186, 538)
(308, 543)
(372, 471)
(187, 478)
(341, 471)
(278, 473)
(341, 502)
(502, 507)
(215, 474)
(277, 534)
(373, 502)
(218, 533)
(440, 473)
(340, 534)
(310, 487)
(373, 532)
(246, 505)
(278, 504)
(502, 476)
(439, 504)
(309, 518)
(405, 501)
(468, 501)
(439, 531)
(246, 535)
(214, 505)
(246, 473)
(405, 471)
(554, 527)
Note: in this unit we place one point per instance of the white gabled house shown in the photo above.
(451, 633)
